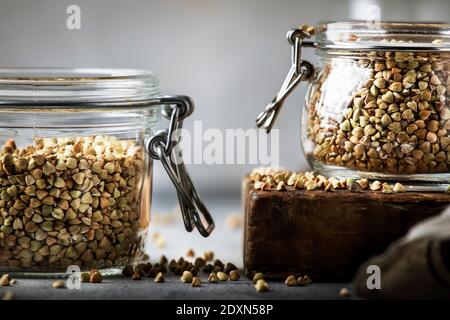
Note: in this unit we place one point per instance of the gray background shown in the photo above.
(230, 56)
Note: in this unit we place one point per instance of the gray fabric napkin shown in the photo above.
(416, 266)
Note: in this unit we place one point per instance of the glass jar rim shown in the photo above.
(76, 87)
(383, 36)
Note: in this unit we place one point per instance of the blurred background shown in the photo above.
(231, 56)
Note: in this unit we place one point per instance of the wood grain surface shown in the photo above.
(326, 235)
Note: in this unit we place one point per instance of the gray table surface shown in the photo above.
(124, 288)
(167, 236)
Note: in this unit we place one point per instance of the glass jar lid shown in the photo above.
(77, 88)
(384, 36)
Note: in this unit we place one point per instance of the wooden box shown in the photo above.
(326, 235)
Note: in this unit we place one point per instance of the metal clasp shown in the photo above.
(161, 147)
(301, 70)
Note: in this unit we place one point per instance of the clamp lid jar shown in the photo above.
(377, 101)
(76, 167)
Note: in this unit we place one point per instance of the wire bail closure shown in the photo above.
(161, 147)
(301, 70)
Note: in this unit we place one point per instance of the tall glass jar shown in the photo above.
(376, 105)
(76, 166)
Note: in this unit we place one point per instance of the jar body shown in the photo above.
(75, 188)
(379, 115)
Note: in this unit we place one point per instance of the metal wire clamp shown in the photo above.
(301, 70)
(164, 146)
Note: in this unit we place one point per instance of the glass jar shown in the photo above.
(76, 167)
(376, 105)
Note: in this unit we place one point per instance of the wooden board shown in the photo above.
(326, 235)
